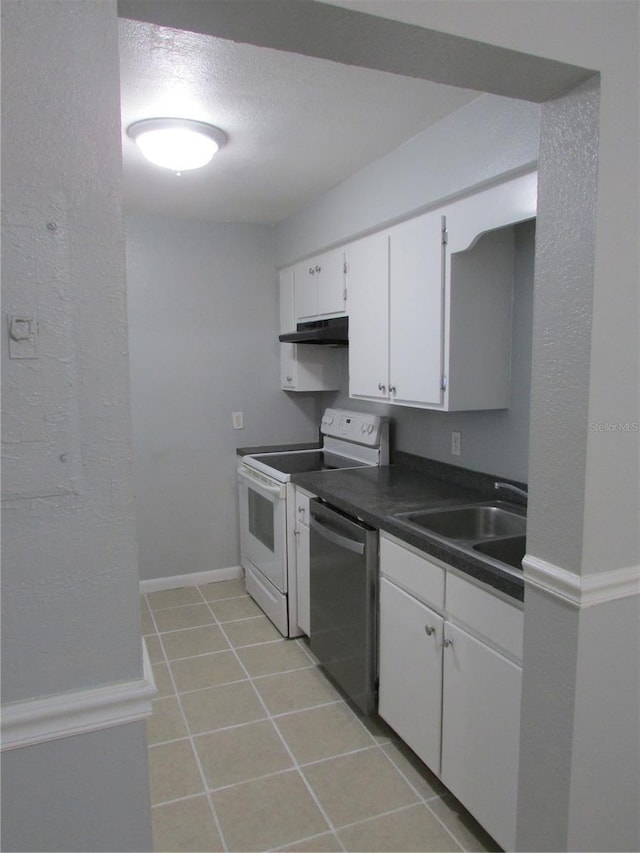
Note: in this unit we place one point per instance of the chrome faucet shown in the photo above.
(522, 492)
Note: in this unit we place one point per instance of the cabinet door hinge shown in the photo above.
(344, 267)
(445, 233)
(443, 383)
(344, 294)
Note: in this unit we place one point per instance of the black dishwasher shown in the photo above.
(343, 593)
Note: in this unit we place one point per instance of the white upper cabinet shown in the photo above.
(416, 254)
(430, 304)
(319, 287)
(303, 367)
(395, 299)
(368, 301)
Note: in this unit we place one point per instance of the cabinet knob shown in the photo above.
(381, 387)
(447, 642)
(289, 378)
(311, 271)
(429, 630)
(318, 268)
(392, 389)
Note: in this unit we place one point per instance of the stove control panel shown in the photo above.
(359, 427)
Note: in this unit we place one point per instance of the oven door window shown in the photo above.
(261, 519)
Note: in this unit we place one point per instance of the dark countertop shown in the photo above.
(375, 495)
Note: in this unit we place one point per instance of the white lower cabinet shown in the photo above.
(481, 732)
(410, 694)
(450, 681)
(302, 560)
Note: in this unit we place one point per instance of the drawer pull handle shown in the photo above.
(429, 630)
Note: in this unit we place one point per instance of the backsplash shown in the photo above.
(480, 481)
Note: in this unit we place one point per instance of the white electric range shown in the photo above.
(267, 498)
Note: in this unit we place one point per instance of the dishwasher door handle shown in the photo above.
(336, 538)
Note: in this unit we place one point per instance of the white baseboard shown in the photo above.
(63, 715)
(581, 590)
(193, 579)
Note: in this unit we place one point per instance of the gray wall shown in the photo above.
(203, 315)
(490, 136)
(412, 178)
(78, 794)
(69, 570)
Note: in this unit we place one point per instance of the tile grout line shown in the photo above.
(421, 800)
(284, 743)
(443, 824)
(272, 718)
(425, 802)
(247, 722)
(333, 830)
(203, 777)
(192, 603)
(293, 845)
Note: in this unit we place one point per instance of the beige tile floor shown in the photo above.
(251, 748)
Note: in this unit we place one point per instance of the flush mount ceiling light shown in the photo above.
(178, 144)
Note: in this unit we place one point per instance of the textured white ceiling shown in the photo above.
(296, 126)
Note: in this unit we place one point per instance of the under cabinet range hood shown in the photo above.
(331, 332)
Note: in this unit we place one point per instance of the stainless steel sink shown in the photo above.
(475, 522)
(510, 550)
(493, 531)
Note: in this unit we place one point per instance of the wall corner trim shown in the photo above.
(62, 715)
(581, 590)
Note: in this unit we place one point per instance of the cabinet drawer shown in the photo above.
(413, 572)
(499, 622)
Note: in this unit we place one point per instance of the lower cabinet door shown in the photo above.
(481, 732)
(410, 689)
(302, 577)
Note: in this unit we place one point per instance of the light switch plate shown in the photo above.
(23, 337)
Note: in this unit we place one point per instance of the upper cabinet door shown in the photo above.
(287, 317)
(368, 304)
(416, 318)
(320, 287)
(331, 283)
(305, 291)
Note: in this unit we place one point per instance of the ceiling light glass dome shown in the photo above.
(175, 143)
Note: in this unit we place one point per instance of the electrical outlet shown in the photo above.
(456, 443)
(238, 420)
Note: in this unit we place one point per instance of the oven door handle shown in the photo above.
(336, 538)
(258, 484)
